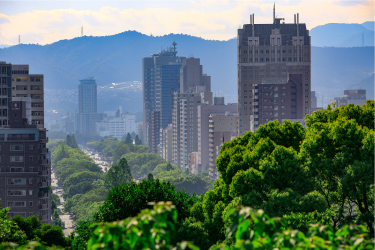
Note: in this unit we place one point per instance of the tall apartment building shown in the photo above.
(24, 86)
(166, 143)
(204, 112)
(155, 131)
(277, 101)
(270, 52)
(159, 81)
(87, 106)
(222, 128)
(25, 174)
(5, 91)
(354, 96)
(195, 89)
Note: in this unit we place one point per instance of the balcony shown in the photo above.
(43, 206)
(44, 172)
(43, 218)
(43, 162)
(43, 184)
(42, 195)
(43, 150)
(43, 139)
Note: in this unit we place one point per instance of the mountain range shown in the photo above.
(118, 58)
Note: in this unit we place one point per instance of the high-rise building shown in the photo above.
(25, 170)
(24, 86)
(269, 53)
(87, 106)
(204, 112)
(155, 131)
(5, 91)
(169, 83)
(158, 82)
(222, 128)
(195, 90)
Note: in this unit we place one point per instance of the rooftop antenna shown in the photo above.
(82, 31)
(174, 48)
(274, 6)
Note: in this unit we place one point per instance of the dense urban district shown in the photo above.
(273, 171)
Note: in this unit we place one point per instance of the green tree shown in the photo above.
(128, 139)
(137, 141)
(9, 230)
(118, 174)
(70, 141)
(127, 200)
(150, 177)
(339, 153)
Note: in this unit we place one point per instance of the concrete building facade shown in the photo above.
(29, 85)
(117, 126)
(25, 174)
(204, 112)
(222, 128)
(277, 101)
(270, 52)
(5, 91)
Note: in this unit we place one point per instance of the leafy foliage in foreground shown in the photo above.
(251, 229)
(19, 230)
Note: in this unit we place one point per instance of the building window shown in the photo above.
(17, 181)
(30, 192)
(31, 158)
(16, 192)
(30, 181)
(16, 159)
(31, 203)
(16, 203)
(16, 147)
(17, 169)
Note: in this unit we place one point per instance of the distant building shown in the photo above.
(166, 143)
(277, 101)
(158, 83)
(118, 126)
(269, 53)
(204, 112)
(155, 131)
(222, 128)
(314, 100)
(354, 96)
(195, 89)
(87, 106)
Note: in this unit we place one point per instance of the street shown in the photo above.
(65, 218)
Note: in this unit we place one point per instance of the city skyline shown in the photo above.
(48, 22)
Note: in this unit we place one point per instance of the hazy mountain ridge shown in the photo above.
(343, 35)
(118, 58)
